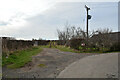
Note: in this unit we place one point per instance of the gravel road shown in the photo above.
(47, 64)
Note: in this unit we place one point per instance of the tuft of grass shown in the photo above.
(42, 65)
(20, 58)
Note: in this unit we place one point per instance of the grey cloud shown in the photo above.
(2, 23)
(45, 24)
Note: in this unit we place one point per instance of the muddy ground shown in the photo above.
(47, 64)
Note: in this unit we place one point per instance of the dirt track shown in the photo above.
(52, 62)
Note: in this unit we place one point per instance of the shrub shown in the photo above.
(75, 43)
(115, 47)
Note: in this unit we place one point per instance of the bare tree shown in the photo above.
(71, 32)
(99, 38)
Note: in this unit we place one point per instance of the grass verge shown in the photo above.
(20, 58)
(68, 49)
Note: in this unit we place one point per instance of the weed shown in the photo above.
(42, 65)
(20, 58)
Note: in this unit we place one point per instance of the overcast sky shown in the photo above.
(27, 19)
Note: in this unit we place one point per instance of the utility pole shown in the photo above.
(88, 17)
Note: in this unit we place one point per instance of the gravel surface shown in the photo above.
(47, 64)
